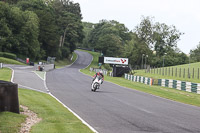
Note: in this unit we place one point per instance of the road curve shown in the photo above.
(115, 109)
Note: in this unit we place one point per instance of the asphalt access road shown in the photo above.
(115, 109)
(26, 78)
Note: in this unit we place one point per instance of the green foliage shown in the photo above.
(88, 27)
(8, 55)
(20, 31)
(40, 28)
(109, 37)
(136, 50)
(107, 67)
(158, 36)
(195, 54)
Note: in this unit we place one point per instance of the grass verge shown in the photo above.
(63, 63)
(169, 93)
(55, 118)
(5, 74)
(10, 122)
(10, 61)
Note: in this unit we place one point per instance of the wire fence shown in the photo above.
(190, 73)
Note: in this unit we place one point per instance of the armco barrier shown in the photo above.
(176, 84)
(148, 81)
(180, 85)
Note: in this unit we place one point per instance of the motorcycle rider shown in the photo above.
(100, 74)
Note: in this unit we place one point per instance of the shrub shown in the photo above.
(8, 55)
(107, 66)
(1, 54)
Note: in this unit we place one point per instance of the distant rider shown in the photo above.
(100, 74)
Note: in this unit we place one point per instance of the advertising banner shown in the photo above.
(113, 60)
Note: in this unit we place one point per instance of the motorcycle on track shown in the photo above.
(96, 83)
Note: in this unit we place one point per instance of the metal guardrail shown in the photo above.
(176, 84)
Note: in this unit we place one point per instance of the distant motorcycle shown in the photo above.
(96, 83)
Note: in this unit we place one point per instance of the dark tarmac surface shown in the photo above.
(112, 109)
(115, 109)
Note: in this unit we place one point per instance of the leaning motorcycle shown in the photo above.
(96, 83)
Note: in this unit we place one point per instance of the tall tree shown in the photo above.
(158, 36)
(48, 37)
(195, 54)
(117, 32)
(19, 31)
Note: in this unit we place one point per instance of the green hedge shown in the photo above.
(8, 55)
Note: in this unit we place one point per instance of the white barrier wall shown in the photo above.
(188, 86)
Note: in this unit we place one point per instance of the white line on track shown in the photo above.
(38, 74)
(83, 121)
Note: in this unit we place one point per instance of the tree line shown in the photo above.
(151, 42)
(40, 28)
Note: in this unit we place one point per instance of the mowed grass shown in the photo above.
(55, 117)
(178, 73)
(11, 122)
(168, 93)
(10, 61)
(65, 62)
(5, 74)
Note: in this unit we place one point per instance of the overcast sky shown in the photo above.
(184, 14)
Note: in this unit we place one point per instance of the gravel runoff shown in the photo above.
(31, 120)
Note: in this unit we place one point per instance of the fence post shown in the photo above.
(157, 70)
(165, 71)
(193, 73)
(172, 71)
(160, 72)
(184, 73)
(180, 73)
(169, 72)
(176, 72)
(198, 73)
(189, 73)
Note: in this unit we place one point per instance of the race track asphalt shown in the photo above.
(115, 109)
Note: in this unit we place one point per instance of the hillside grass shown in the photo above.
(10, 61)
(159, 71)
(65, 62)
(168, 93)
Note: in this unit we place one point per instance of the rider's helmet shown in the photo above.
(101, 72)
